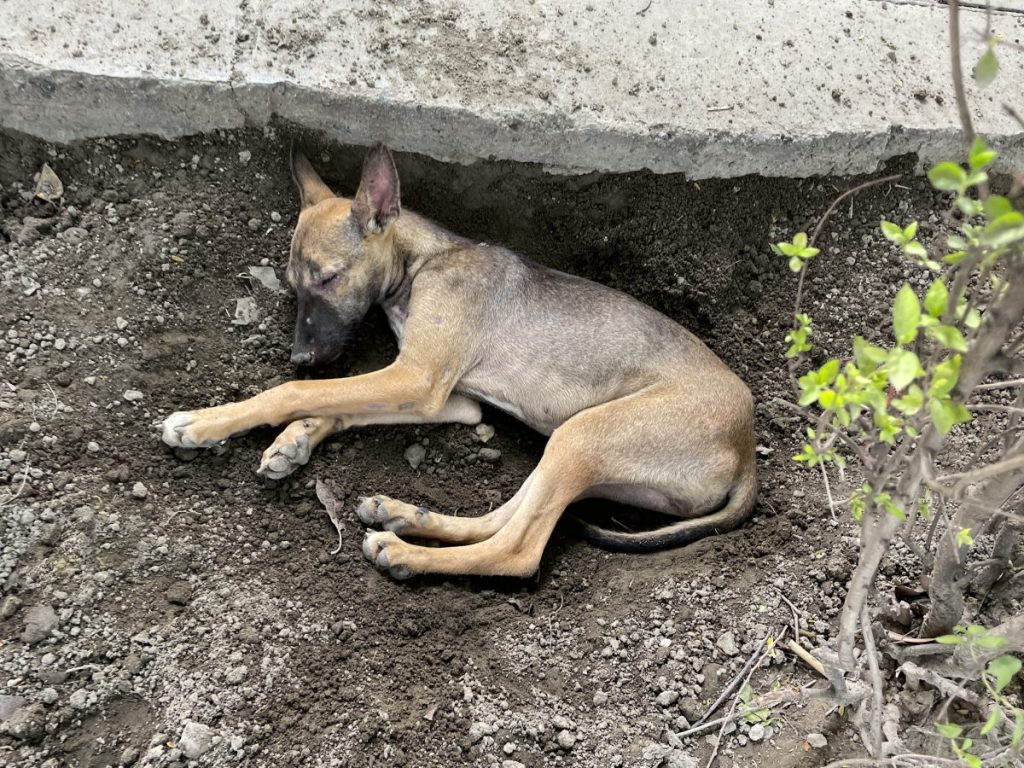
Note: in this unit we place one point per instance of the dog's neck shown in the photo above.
(413, 242)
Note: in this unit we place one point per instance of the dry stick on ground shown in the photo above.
(735, 701)
(732, 685)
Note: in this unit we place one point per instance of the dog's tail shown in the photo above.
(736, 510)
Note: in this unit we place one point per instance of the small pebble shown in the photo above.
(133, 395)
(415, 454)
(817, 740)
(756, 732)
(140, 491)
(490, 454)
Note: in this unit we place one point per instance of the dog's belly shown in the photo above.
(544, 407)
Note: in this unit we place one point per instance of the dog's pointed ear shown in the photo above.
(377, 202)
(307, 181)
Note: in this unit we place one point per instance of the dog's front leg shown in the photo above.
(293, 446)
(400, 390)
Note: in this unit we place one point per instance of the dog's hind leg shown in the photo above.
(409, 520)
(571, 463)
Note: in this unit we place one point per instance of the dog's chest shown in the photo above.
(397, 315)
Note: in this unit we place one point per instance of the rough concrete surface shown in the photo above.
(711, 89)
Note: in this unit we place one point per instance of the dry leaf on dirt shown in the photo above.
(333, 508)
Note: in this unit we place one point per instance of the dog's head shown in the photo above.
(340, 254)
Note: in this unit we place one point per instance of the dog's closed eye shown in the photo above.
(328, 279)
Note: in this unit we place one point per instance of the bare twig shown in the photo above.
(732, 685)
(958, 72)
(1000, 385)
(735, 701)
(806, 657)
(796, 614)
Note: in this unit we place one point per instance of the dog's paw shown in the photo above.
(284, 456)
(204, 428)
(177, 432)
(392, 515)
(384, 550)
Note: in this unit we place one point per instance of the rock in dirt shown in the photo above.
(9, 606)
(183, 224)
(179, 593)
(727, 644)
(196, 740)
(485, 432)
(40, 621)
(246, 311)
(140, 491)
(25, 723)
(667, 698)
(9, 705)
(32, 229)
(566, 739)
(756, 732)
(132, 395)
(49, 187)
(415, 454)
(267, 277)
(817, 740)
(490, 455)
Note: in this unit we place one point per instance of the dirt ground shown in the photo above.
(190, 595)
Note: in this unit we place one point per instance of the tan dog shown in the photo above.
(638, 409)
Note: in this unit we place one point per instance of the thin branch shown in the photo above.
(735, 701)
(729, 688)
(977, 475)
(958, 71)
(1000, 385)
(876, 681)
(859, 188)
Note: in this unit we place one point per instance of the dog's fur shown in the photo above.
(638, 409)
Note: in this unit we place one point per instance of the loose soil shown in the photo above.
(187, 589)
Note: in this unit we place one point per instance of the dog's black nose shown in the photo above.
(302, 358)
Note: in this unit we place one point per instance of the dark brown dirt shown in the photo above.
(293, 656)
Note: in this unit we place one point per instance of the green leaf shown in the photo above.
(987, 68)
(867, 355)
(916, 249)
(795, 264)
(828, 372)
(949, 639)
(906, 314)
(964, 538)
(937, 299)
(945, 377)
(980, 155)
(949, 730)
(911, 402)
(1018, 727)
(1003, 668)
(993, 720)
(996, 206)
(800, 240)
(910, 230)
(948, 336)
(903, 367)
(991, 641)
(946, 414)
(947, 177)
(893, 232)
